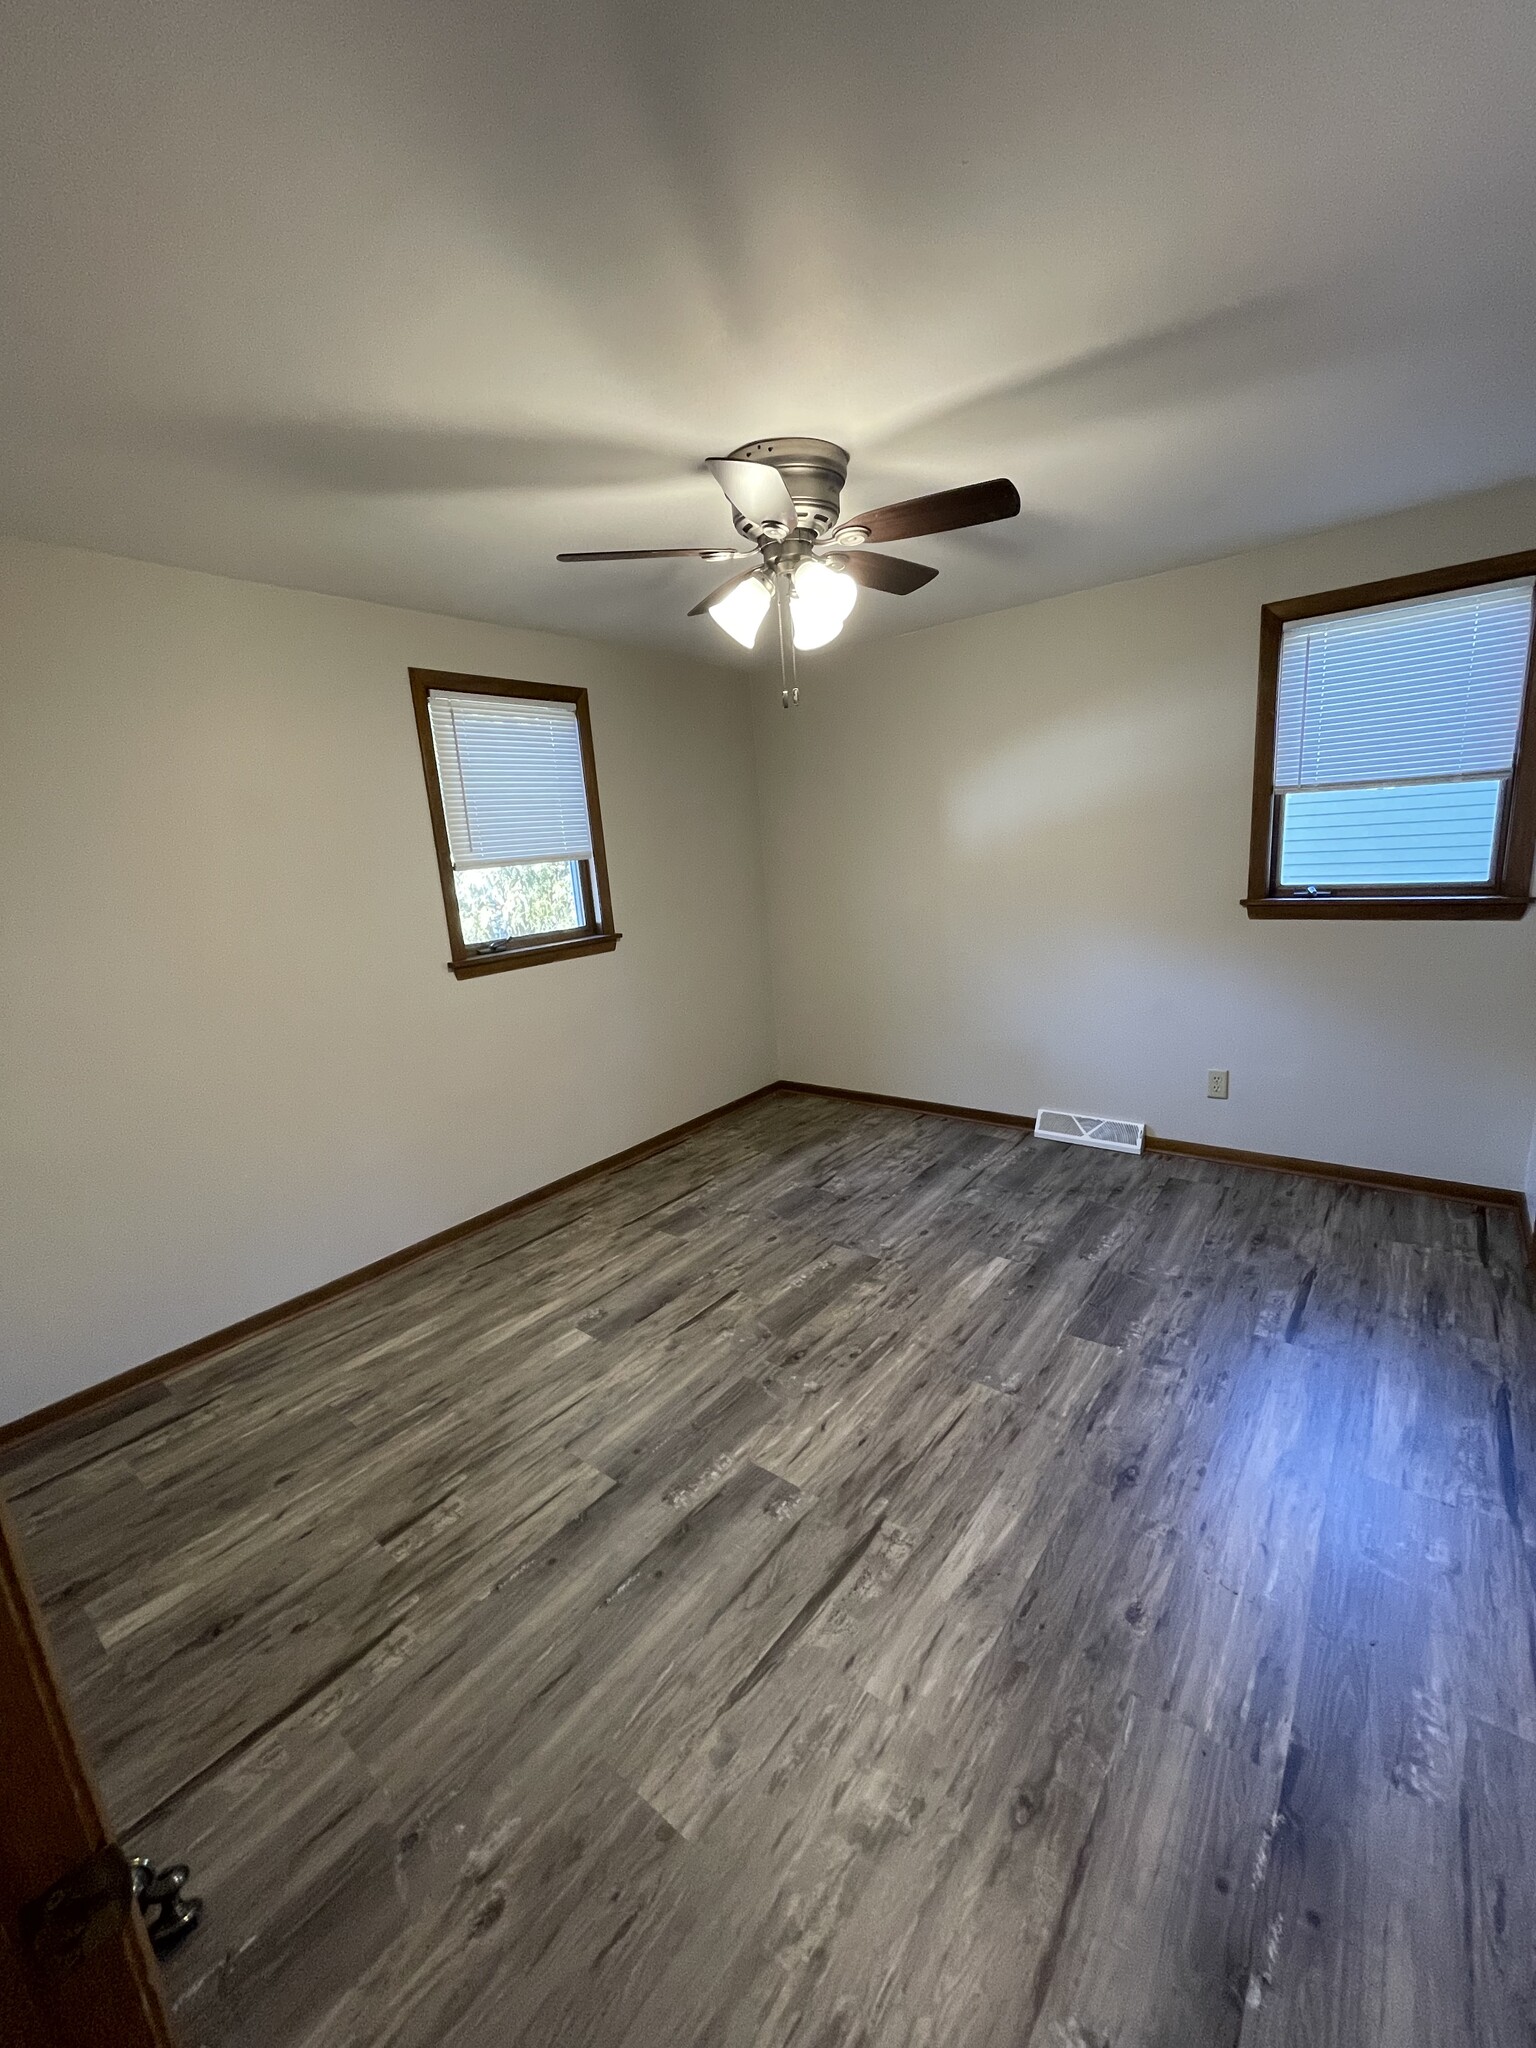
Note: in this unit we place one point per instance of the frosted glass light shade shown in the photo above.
(742, 609)
(820, 599)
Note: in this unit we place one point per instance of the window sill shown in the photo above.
(1387, 906)
(533, 956)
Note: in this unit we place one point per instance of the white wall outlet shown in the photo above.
(1216, 1084)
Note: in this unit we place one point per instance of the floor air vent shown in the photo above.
(1110, 1133)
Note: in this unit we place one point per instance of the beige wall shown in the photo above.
(1004, 860)
(234, 1063)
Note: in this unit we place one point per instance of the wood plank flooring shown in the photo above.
(855, 1579)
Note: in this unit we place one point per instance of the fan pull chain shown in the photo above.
(788, 676)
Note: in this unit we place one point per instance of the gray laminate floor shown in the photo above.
(854, 1578)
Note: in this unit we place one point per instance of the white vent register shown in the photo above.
(1109, 1133)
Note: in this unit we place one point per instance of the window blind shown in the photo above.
(1431, 688)
(1395, 731)
(511, 778)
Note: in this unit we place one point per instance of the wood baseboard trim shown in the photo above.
(169, 1362)
(1269, 1162)
(1007, 1117)
(1362, 1176)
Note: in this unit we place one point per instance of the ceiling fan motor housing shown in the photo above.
(814, 473)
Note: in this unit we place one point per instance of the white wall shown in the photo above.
(1005, 858)
(1530, 1181)
(234, 1062)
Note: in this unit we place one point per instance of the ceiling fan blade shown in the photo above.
(757, 491)
(883, 572)
(939, 512)
(715, 596)
(656, 555)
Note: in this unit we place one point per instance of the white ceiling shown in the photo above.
(397, 300)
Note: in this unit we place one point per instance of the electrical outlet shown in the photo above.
(1216, 1084)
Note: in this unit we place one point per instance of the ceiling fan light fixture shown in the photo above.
(820, 599)
(785, 496)
(741, 611)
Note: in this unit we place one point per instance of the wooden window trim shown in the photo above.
(1508, 894)
(597, 933)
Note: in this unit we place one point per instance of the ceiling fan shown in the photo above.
(785, 496)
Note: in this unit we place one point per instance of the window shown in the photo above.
(1395, 762)
(513, 794)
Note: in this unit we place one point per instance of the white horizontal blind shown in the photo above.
(1431, 687)
(1395, 731)
(511, 776)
